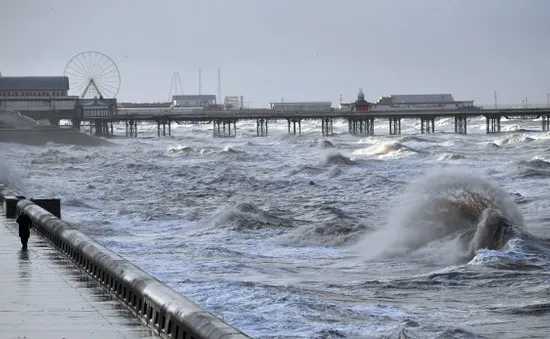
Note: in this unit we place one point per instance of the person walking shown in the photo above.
(25, 223)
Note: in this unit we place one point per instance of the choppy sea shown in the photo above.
(275, 234)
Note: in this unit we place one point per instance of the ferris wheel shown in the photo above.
(93, 75)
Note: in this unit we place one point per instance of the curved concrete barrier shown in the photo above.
(160, 307)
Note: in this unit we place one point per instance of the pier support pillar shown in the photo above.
(163, 123)
(223, 128)
(105, 129)
(261, 127)
(361, 126)
(427, 125)
(327, 126)
(546, 123)
(132, 130)
(76, 123)
(98, 128)
(294, 121)
(395, 126)
(461, 124)
(169, 128)
(493, 124)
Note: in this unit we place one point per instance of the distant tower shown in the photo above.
(219, 86)
(361, 104)
(174, 85)
(200, 82)
(361, 95)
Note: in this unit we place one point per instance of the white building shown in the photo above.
(233, 102)
(202, 100)
(301, 106)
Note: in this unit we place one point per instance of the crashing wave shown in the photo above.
(535, 168)
(390, 149)
(331, 233)
(246, 216)
(180, 148)
(449, 156)
(448, 214)
(337, 159)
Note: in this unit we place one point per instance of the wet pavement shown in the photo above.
(42, 295)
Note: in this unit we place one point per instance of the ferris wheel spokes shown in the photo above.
(93, 74)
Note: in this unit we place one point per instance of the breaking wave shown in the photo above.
(230, 149)
(246, 216)
(330, 233)
(180, 148)
(413, 138)
(337, 159)
(321, 144)
(389, 149)
(514, 140)
(448, 156)
(438, 214)
(534, 168)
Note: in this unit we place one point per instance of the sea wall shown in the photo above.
(41, 136)
(167, 312)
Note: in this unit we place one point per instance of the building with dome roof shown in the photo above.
(361, 104)
(358, 105)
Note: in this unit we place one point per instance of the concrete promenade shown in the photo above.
(43, 295)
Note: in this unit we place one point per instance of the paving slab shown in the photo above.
(43, 295)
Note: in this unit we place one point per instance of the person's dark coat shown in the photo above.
(24, 225)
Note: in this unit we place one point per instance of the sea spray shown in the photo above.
(433, 211)
(9, 176)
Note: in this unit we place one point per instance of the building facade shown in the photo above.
(16, 87)
(201, 100)
(301, 106)
(430, 101)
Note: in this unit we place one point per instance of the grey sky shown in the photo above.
(295, 49)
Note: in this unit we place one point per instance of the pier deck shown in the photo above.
(42, 295)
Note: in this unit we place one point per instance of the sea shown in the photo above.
(301, 236)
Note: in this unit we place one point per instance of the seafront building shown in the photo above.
(406, 102)
(422, 101)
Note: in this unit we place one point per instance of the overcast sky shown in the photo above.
(293, 49)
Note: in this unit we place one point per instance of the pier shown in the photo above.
(225, 123)
(97, 116)
(67, 285)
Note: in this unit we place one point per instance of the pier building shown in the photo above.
(361, 104)
(415, 101)
(33, 86)
(201, 100)
(300, 106)
(45, 96)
